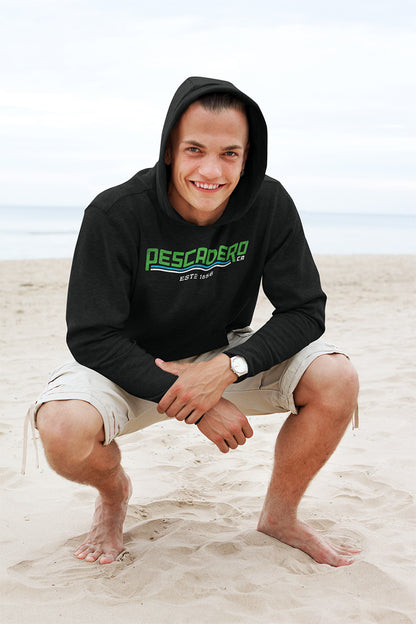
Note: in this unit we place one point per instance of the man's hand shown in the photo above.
(226, 426)
(199, 387)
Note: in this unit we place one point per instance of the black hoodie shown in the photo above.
(145, 283)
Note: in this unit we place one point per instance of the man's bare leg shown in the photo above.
(72, 434)
(327, 396)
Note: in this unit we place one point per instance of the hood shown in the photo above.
(244, 194)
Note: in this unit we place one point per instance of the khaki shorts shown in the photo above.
(266, 393)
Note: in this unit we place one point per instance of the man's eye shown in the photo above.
(231, 154)
(194, 150)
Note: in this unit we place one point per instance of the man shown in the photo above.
(163, 286)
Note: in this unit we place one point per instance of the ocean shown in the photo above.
(28, 232)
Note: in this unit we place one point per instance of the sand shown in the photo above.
(193, 551)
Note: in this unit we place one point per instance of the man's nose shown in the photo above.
(210, 168)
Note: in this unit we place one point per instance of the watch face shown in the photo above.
(239, 365)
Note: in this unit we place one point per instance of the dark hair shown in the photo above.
(216, 102)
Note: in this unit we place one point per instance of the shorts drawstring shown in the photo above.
(355, 419)
(29, 421)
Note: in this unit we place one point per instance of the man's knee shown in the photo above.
(331, 380)
(344, 380)
(68, 424)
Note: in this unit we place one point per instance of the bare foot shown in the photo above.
(300, 535)
(105, 539)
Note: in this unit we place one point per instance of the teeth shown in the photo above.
(208, 187)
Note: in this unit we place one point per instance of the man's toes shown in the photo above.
(87, 552)
(107, 558)
(83, 550)
(92, 556)
(347, 550)
(338, 559)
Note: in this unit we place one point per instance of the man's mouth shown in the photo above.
(205, 186)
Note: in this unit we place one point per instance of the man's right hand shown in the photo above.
(225, 425)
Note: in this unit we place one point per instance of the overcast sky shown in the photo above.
(85, 85)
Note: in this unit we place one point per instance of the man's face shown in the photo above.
(207, 152)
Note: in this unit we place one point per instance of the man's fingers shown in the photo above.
(164, 403)
(180, 411)
(232, 443)
(228, 443)
(167, 403)
(223, 446)
(173, 410)
(247, 430)
(240, 437)
(193, 417)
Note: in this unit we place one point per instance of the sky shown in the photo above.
(85, 85)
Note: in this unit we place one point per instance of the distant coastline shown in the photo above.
(50, 232)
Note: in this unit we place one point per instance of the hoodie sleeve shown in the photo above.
(291, 282)
(98, 306)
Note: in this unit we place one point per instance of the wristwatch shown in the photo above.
(238, 365)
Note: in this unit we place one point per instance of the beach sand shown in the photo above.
(193, 553)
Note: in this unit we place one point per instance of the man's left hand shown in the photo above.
(199, 387)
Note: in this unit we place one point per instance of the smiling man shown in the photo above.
(163, 287)
(206, 151)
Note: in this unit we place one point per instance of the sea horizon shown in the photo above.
(35, 232)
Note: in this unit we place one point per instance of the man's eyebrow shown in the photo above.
(192, 142)
(225, 149)
(233, 147)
